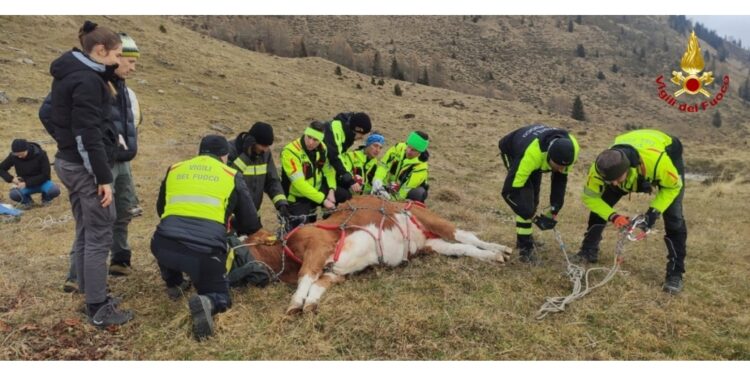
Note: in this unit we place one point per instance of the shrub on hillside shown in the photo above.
(716, 121)
(577, 112)
(397, 90)
(580, 51)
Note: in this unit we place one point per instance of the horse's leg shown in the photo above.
(471, 239)
(303, 288)
(460, 249)
(309, 273)
(319, 288)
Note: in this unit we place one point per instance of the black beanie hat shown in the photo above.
(19, 145)
(362, 121)
(263, 133)
(561, 151)
(215, 145)
(611, 164)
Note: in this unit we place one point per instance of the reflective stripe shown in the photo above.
(251, 170)
(523, 226)
(230, 260)
(522, 220)
(278, 198)
(256, 170)
(194, 199)
(240, 164)
(524, 231)
(296, 176)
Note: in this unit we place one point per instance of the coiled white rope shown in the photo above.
(579, 276)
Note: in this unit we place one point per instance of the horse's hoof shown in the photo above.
(294, 310)
(500, 258)
(311, 308)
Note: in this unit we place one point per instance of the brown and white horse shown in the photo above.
(362, 232)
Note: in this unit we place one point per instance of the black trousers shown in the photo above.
(523, 201)
(305, 210)
(674, 220)
(207, 271)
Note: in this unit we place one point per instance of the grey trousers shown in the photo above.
(125, 198)
(93, 229)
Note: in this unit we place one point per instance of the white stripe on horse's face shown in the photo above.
(360, 249)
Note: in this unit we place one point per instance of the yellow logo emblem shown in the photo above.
(692, 63)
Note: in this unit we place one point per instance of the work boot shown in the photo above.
(526, 255)
(525, 246)
(109, 315)
(201, 310)
(673, 284)
(120, 269)
(585, 256)
(175, 292)
(70, 286)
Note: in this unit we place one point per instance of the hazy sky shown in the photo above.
(736, 26)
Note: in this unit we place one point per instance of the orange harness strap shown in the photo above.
(289, 251)
(427, 234)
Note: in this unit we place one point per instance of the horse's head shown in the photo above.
(267, 248)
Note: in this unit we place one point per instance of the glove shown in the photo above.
(651, 216)
(346, 180)
(377, 185)
(545, 222)
(382, 193)
(284, 211)
(620, 221)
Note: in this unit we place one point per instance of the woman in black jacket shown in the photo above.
(86, 141)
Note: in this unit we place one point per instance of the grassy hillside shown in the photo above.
(190, 85)
(515, 58)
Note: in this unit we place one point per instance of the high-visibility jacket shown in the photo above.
(260, 175)
(303, 177)
(199, 188)
(358, 163)
(524, 151)
(395, 167)
(338, 137)
(651, 167)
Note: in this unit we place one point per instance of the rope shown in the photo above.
(48, 221)
(347, 206)
(579, 276)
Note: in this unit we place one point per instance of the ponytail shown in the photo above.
(91, 34)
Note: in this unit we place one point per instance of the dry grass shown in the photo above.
(431, 308)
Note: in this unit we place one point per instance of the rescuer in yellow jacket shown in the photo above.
(641, 161)
(528, 152)
(363, 162)
(338, 135)
(307, 177)
(403, 170)
(195, 201)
